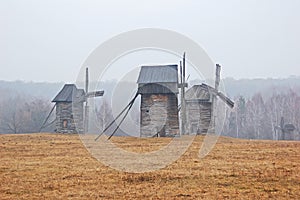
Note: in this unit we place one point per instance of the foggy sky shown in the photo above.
(49, 40)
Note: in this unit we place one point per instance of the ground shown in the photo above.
(53, 166)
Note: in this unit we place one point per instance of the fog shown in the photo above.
(49, 40)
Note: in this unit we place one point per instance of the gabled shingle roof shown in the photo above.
(158, 74)
(68, 92)
(201, 92)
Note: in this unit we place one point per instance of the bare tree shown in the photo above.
(104, 114)
(257, 118)
(12, 120)
(22, 115)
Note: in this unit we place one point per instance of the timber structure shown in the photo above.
(158, 87)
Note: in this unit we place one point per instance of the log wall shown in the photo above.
(159, 115)
(69, 119)
(198, 117)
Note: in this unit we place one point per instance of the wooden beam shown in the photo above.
(94, 94)
(132, 102)
(129, 105)
(182, 86)
(218, 77)
(214, 98)
(86, 109)
(87, 80)
(225, 99)
(47, 118)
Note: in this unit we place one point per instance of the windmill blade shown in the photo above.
(214, 92)
(225, 99)
(95, 94)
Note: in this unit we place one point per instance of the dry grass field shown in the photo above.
(54, 166)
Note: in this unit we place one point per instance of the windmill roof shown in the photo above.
(198, 92)
(158, 74)
(68, 93)
(203, 93)
(289, 127)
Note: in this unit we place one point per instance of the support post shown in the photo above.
(183, 106)
(86, 109)
(214, 98)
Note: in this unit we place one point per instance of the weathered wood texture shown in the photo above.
(159, 115)
(69, 119)
(198, 116)
(158, 87)
(198, 109)
(288, 135)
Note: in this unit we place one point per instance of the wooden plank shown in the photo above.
(95, 94)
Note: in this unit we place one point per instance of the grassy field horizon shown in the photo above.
(57, 166)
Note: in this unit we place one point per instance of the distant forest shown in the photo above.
(260, 105)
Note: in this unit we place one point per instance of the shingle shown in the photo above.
(158, 74)
(68, 92)
(198, 92)
(203, 92)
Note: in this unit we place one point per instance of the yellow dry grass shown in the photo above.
(54, 166)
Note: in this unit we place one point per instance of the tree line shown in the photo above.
(258, 116)
(255, 117)
(20, 114)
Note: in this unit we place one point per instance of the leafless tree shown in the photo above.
(22, 115)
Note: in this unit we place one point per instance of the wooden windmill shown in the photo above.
(158, 87)
(284, 131)
(201, 106)
(71, 115)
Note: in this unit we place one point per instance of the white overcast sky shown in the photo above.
(49, 40)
